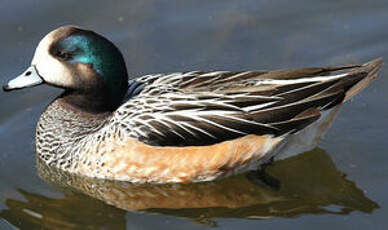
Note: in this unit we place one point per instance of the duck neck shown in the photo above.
(88, 102)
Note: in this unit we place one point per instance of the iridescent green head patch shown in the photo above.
(94, 50)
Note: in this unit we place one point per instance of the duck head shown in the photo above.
(88, 66)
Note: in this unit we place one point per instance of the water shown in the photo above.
(341, 184)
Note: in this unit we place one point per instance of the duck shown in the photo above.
(178, 127)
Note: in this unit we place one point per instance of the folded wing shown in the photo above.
(203, 108)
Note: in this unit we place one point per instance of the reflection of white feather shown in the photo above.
(309, 137)
(5, 225)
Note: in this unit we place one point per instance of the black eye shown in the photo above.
(63, 55)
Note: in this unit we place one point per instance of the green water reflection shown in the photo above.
(310, 183)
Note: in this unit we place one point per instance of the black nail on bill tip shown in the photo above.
(6, 88)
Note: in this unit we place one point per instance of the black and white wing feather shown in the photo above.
(202, 108)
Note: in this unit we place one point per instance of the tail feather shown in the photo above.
(370, 69)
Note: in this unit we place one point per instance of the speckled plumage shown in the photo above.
(61, 132)
(130, 144)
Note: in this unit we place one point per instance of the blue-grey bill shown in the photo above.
(28, 78)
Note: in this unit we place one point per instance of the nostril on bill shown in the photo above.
(28, 73)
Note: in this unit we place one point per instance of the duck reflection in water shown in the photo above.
(309, 184)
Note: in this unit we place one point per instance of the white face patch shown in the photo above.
(49, 68)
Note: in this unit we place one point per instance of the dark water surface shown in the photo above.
(342, 184)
